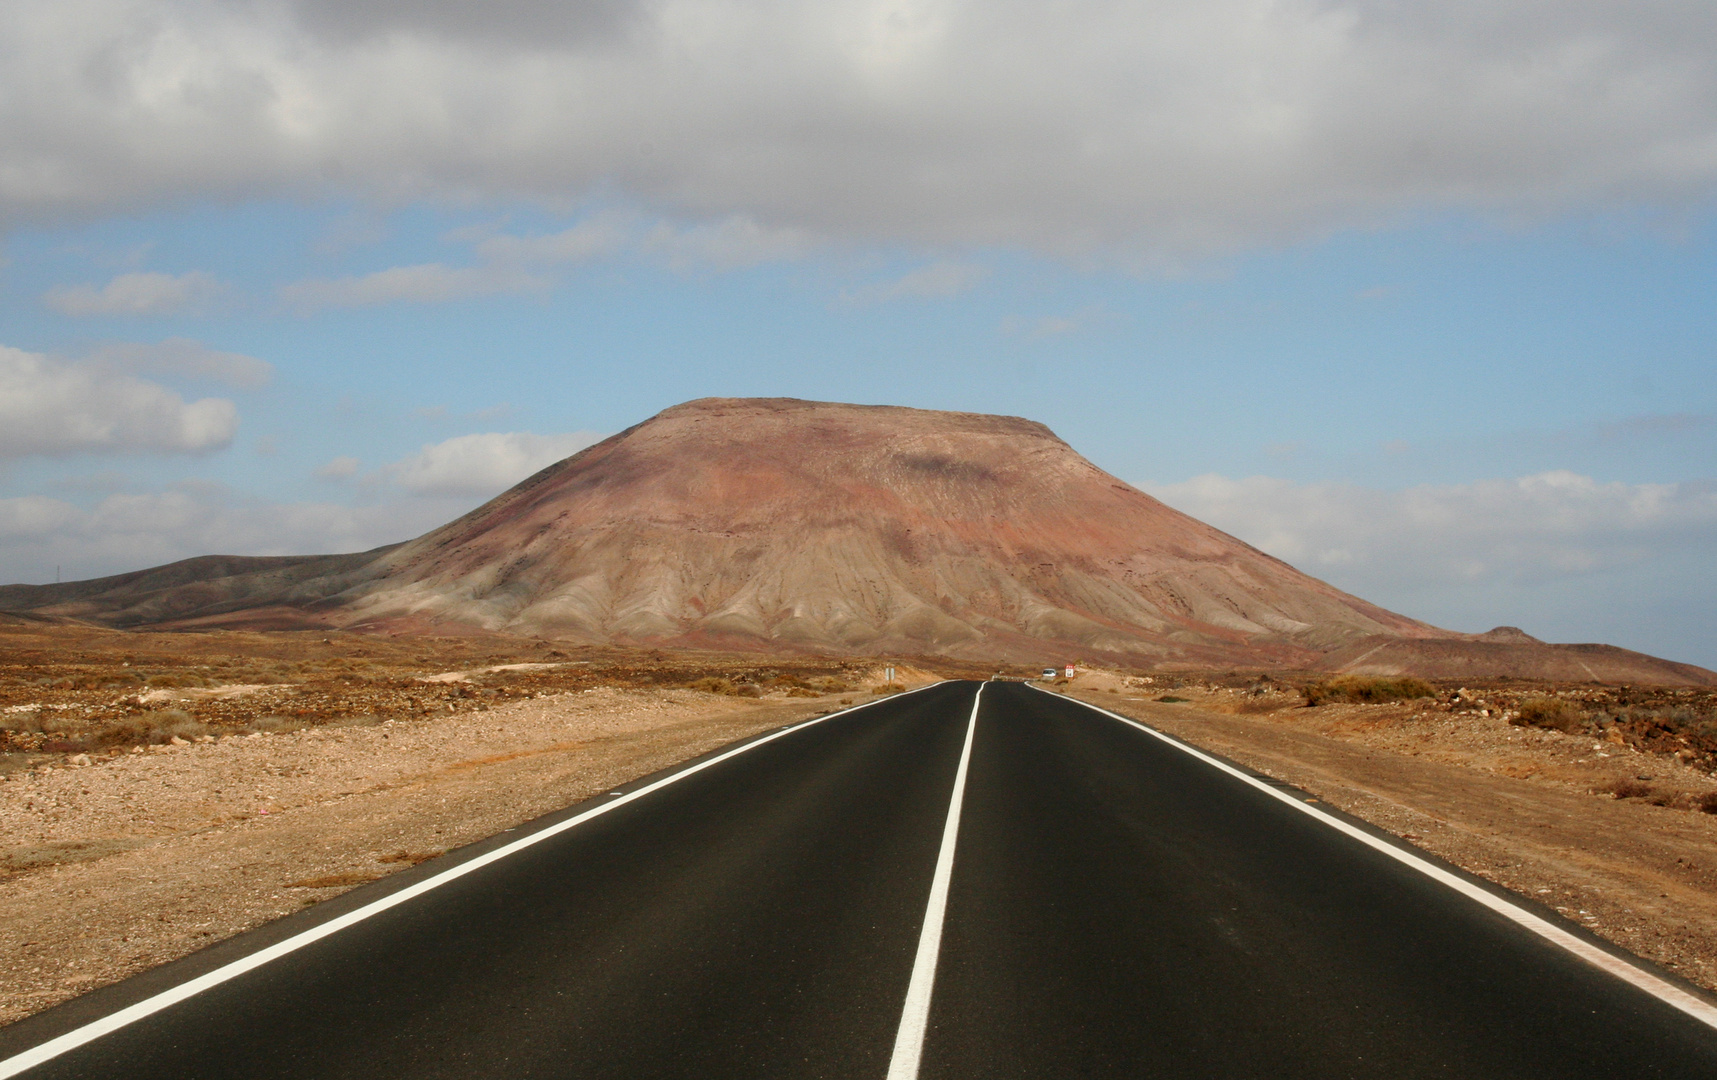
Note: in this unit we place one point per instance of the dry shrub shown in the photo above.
(252, 677)
(145, 728)
(1553, 713)
(799, 687)
(411, 858)
(1707, 802)
(278, 725)
(1256, 707)
(714, 684)
(175, 681)
(24, 723)
(335, 881)
(1628, 789)
(353, 720)
(711, 684)
(1366, 690)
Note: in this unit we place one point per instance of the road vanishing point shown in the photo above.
(972, 880)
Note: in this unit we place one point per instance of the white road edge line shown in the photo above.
(95, 1029)
(915, 1017)
(1664, 991)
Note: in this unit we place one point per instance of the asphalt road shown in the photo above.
(1115, 907)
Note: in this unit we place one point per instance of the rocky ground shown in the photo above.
(72, 689)
(1610, 829)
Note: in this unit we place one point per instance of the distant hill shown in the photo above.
(773, 524)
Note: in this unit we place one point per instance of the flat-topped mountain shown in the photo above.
(779, 524)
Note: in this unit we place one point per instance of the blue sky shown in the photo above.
(1418, 298)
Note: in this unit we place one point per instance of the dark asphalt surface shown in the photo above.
(1118, 908)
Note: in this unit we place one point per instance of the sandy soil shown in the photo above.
(133, 860)
(1531, 809)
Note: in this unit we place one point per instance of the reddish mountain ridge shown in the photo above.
(777, 524)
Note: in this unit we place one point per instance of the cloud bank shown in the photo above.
(130, 530)
(428, 283)
(483, 465)
(940, 280)
(1174, 126)
(187, 359)
(1523, 530)
(50, 407)
(148, 293)
(1623, 563)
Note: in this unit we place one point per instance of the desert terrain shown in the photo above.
(163, 791)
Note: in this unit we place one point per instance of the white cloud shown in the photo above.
(592, 238)
(1549, 525)
(340, 468)
(136, 294)
(1179, 124)
(192, 359)
(49, 407)
(732, 243)
(939, 280)
(1563, 551)
(132, 530)
(34, 517)
(428, 283)
(485, 464)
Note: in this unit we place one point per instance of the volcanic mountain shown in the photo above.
(778, 524)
